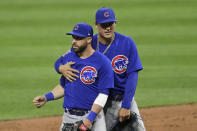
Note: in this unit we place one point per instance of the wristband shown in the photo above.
(49, 96)
(91, 116)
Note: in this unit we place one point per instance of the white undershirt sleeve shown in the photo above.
(101, 99)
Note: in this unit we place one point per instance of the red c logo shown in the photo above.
(88, 75)
(119, 64)
(76, 27)
(106, 14)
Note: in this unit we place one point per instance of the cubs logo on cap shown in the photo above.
(82, 30)
(119, 64)
(88, 75)
(104, 15)
(76, 27)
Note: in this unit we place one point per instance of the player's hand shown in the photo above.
(123, 114)
(39, 101)
(87, 123)
(67, 71)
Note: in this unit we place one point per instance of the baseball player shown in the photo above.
(122, 52)
(85, 97)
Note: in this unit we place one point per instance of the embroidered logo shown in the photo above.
(76, 27)
(99, 116)
(106, 14)
(88, 75)
(119, 64)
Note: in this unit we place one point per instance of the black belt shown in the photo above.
(77, 112)
(116, 97)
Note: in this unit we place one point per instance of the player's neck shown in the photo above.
(86, 53)
(105, 41)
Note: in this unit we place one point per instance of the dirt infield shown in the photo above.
(172, 118)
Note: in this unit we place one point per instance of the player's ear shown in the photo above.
(115, 24)
(89, 40)
(96, 25)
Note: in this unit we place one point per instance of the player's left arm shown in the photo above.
(132, 77)
(124, 112)
(97, 106)
(105, 82)
(130, 89)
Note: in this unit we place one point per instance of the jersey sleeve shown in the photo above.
(134, 59)
(60, 61)
(130, 89)
(106, 77)
(62, 81)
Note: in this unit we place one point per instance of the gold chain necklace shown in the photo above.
(97, 48)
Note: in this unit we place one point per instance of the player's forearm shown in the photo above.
(96, 108)
(98, 105)
(56, 93)
(130, 90)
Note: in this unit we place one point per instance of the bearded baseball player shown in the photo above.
(85, 97)
(122, 52)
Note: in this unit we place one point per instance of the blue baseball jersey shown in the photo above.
(96, 76)
(124, 59)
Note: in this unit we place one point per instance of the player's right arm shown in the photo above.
(65, 69)
(56, 93)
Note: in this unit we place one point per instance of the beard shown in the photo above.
(80, 49)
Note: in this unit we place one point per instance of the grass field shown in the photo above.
(32, 38)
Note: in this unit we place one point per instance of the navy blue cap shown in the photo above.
(82, 30)
(104, 15)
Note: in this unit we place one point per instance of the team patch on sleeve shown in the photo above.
(88, 75)
(119, 64)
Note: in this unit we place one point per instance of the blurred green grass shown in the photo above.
(32, 38)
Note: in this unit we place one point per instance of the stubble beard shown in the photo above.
(80, 49)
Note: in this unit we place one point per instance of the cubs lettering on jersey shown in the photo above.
(119, 64)
(88, 75)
